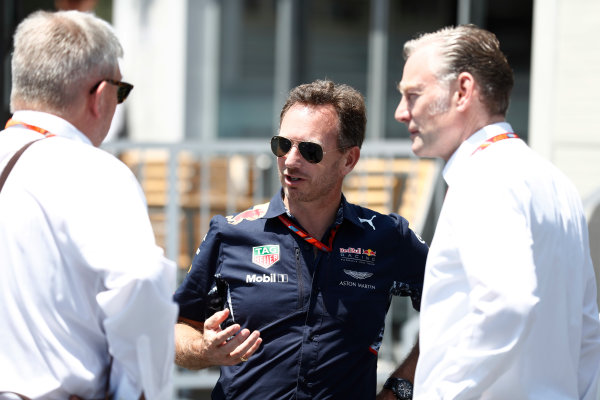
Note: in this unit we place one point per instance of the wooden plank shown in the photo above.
(151, 167)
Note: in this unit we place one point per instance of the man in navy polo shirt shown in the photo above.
(290, 297)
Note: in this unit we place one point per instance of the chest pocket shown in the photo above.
(357, 297)
(260, 292)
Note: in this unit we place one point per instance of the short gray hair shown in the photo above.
(468, 48)
(57, 52)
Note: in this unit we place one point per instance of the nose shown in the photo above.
(293, 157)
(402, 114)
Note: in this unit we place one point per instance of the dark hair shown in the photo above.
(468, 48)
(348, 103)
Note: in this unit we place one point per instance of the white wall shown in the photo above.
(153, 35)
(564, 122)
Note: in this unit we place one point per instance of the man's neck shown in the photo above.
(315, 217)
(478, 122)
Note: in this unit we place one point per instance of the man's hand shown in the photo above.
(218, 351)
(200, 345)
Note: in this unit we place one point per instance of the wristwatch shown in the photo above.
(402, 388)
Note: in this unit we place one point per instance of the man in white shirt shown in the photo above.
(509, 301)
(85, 294)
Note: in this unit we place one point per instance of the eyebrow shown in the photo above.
(405, 87)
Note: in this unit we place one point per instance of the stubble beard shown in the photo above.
(318, 188)
(440, 105)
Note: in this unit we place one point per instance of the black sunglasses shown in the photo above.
(122, 92)
(312, 152)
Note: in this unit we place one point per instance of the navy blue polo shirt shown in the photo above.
(321, 317)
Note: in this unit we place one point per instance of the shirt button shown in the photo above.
(314, 338)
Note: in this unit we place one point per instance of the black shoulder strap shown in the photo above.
(11, 163)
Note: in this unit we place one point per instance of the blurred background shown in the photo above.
(211, 76)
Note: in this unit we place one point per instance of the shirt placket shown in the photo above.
(310, 339)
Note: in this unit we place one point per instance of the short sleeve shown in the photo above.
(193, 291)
(412, 256)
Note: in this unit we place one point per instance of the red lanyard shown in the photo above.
(307, 237)
(494, 139)
(12, 122)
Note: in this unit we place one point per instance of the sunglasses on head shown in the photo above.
(122, 91)
(312, 152)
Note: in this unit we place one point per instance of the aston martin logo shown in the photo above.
(358, 274)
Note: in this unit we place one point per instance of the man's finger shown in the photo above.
(251, 350)
(233, 332)
(216, 319)
(222, 338)
(245, 347)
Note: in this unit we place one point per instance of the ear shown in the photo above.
(96, 100)
(352, 157)
(465, 91)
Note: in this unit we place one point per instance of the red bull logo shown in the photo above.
(358, 255)
(252, 214)
(353, 250)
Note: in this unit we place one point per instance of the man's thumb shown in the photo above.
(216, 319)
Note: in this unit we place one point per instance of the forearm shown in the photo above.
(406, 370)
(201, 345)
(188, 349)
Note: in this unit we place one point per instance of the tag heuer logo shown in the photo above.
(265, 256)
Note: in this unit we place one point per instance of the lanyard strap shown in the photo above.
(494, 139)
(286, 221)
(12, 122)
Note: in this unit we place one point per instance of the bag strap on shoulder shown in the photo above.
(11, 163)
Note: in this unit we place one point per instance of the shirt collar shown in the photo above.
(348, 211)
(52, 123)
(466, 149)
(276, 206)
(345, 211)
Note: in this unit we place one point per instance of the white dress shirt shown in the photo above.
(509, 301)
(81, 275)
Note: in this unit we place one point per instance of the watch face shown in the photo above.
(403, 390)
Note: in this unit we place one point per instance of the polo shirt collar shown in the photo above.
(276, 206)
(345, 211)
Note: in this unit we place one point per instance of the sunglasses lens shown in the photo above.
(312, 152)
(123, 92)
(280, 146)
